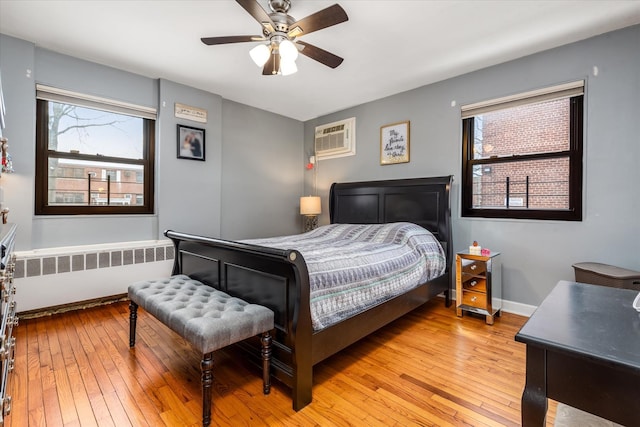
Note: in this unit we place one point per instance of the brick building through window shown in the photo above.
(95, 184)
(523, 130)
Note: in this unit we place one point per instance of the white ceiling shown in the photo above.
(388, 46)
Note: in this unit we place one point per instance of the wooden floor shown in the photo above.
(429, 368)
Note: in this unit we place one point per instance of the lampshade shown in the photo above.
(288, 51)
(287, 67)
(260, 54)
(310, 205)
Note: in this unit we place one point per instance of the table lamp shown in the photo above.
(310, 208)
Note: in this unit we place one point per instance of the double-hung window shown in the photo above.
(522, 155)
(93, 155)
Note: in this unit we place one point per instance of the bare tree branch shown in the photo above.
(60, 132)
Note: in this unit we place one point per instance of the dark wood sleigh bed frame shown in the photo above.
(278, 279)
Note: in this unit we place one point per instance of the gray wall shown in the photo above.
(263, 169)
(17, 61)
(188, 193)
(535, 254)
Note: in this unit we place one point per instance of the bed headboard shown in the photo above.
(423, 201)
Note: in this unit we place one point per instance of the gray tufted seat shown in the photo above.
(207, 318)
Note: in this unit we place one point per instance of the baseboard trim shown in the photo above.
(518, 308)
(78, 305)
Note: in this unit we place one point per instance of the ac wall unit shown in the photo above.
(337, 139)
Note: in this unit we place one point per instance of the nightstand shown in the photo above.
(479, 284)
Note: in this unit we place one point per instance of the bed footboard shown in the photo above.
(277, 279)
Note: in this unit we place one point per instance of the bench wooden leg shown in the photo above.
(133, 318)
(266, 362)
(207, 385)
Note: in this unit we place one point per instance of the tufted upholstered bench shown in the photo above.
(207, 318)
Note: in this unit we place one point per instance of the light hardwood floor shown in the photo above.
(429, 368)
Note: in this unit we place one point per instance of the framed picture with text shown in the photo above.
(190, 143)
(394, 143)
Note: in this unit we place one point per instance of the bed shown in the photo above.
(279, 278)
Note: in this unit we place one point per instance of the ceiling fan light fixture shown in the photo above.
(260, 54)
(281, 32)
(288, 51)
(287, 67)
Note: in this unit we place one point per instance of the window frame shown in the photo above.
(574, 153)
(43, 154)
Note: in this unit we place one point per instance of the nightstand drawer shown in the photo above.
(475, 284)
(474, 299)
(473, 267)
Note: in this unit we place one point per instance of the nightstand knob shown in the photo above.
(473, 299)
(473, 283)
(473, 267)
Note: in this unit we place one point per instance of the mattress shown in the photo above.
(353, 267)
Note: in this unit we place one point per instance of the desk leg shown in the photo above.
(534, 396)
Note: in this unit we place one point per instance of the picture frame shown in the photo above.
(394, 143)
(190, 143)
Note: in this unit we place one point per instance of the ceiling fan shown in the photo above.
(281, 31)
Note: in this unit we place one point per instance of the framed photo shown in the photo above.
(394, 143)
(190, 143)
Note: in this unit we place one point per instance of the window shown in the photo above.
(522, 156)
(92, 154)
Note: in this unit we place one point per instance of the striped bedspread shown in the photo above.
(356, 266)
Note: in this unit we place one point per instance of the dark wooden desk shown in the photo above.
(583, 349)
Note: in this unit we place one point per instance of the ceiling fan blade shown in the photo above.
(230, 39)
(258, 13)
(320, 55)
(272, 66)
(317, 21)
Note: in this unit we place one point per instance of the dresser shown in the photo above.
(7, 314)
(479, 284)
